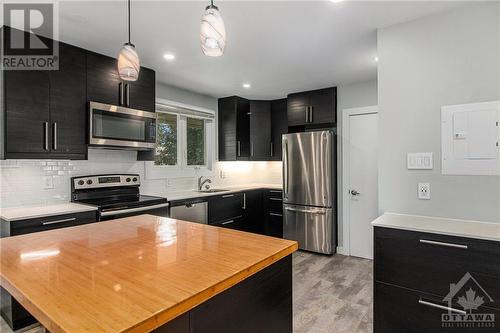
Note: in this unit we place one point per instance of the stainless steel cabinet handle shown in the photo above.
(272, 150)
(307, 114)
(133, 210)
(251, 149)
(244, 201)
(238, 143)
(308, 211)
(46, 133)
(442, 307)
(276, 199)
(310, 114)
(121, 94)
(127, 94)
(431, 242)
(274, 214)
(275, 191)
(228, 196)
(59, 221)
(227, 222)
(54, 136)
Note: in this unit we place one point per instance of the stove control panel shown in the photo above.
(101, 181)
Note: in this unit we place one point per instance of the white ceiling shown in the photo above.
(279, 47)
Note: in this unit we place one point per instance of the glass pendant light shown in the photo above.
(212, 32)
(128, 59)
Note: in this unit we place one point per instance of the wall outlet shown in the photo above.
(222, 174)
(48, 182)
(168, 182)
(424, 191)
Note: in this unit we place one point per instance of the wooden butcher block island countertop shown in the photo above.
(129, 275)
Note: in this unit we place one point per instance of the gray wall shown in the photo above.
(350, 96)
(185, 96)
(451, 58)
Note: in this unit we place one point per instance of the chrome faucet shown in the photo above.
(202, 182)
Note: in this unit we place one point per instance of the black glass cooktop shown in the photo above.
(123, 202)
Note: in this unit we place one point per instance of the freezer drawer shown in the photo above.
(312, 227)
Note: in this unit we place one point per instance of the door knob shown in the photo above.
(354, 192)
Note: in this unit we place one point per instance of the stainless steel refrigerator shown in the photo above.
(309, 190)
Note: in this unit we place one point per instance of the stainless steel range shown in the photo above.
(116, 196)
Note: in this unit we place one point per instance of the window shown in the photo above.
(195, 141)
(185, 141)
(166, 133)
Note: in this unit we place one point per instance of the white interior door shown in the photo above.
(362, 182)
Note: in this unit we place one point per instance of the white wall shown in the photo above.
(350, 96)
(451, 58)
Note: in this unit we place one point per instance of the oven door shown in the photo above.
(157, 210)
(121, 127)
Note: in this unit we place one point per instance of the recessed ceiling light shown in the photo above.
(169, 56)
(246, 85)
(336, 1)
(375, 58)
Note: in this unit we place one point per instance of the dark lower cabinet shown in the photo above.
(273, 210)
(253, 212)
(11, 311)
(261, 303)
(225, 207)
(419, 277)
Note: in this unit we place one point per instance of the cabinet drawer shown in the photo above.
(274, 225)
(275, 205)
(237, 223)
(51, 222)
(399, 310)
(275, 194)
(430, 262)
(225, 207)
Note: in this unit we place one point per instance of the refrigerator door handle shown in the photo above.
(307, 211)
(285, 167)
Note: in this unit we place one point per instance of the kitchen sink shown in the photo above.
(212, 190)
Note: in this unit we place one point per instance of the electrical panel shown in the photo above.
(469, 139)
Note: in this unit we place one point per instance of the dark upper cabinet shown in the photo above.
(260, 130)
(45, 111)
(234, 129)
(68, 102)
(103, 82)
(140, 94)
(27, 113)
(279, 126)
(316, 107)
(105, 86)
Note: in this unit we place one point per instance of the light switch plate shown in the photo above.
(419, 161)
(424, 191)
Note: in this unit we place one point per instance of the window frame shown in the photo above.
(181, 169)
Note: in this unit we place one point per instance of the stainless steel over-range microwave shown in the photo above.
(121, 127)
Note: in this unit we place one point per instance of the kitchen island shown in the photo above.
(148, 273)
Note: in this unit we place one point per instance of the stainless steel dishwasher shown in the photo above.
(190, 210)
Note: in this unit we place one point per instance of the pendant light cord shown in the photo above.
(129, 21)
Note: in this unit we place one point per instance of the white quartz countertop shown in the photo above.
(438, 225)
(190, 194)
(27, 212)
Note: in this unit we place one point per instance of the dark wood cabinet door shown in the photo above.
(103, 81)
(242, 129)
(260, 130)
(68, 110)
(227, 129)
(27, 128)
(297, 106)
(323, 103)
(279, 126)
(234, 129)
(141, 94)
(253, 212)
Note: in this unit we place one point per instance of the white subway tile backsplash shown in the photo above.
(21, 180)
